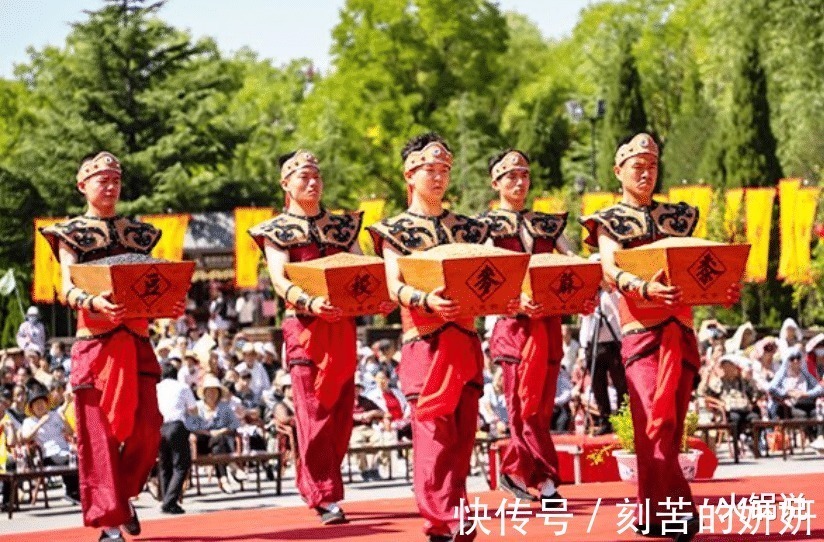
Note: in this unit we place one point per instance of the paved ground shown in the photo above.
(63, 515)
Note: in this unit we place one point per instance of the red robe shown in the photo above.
(660, 352)
(321, 356)
(114, 374)
(529, 352)
(441, 373)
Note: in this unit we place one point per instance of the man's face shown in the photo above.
(638, 174)
(513, 186)
(382, 381)
(430, 181)
(304, 185)
(101, 190)
(21, 376)
(39, 407)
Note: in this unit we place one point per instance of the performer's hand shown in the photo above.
(513, 307)
(386, 307)
(530, 307)
(447, 309)
(103, 304)
(179, 308)
(733, 294)
(661, 293)
(322, 308)
(590, 305)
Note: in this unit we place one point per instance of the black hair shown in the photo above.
(498, 157)
(421, 141)
(284, 157)
(169, 372)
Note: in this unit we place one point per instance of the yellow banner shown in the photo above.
(733, 219)
(170, 246)
(699, 196)
(46, 282)
(805, 208)
(549, 204)
(787, 195)
(494, 204)
(592, 202)
(758, 213)
(372, 212)
(247, 253)
(663, 198)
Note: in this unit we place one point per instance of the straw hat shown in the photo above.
(211, 381)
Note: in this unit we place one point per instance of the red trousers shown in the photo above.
(112, 471)
(323, 437)
(530, 454)
(659, 474)
(442, 446)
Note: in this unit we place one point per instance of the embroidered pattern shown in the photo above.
(326, 229)
(631, 226)
(408, 232)
(94, 238)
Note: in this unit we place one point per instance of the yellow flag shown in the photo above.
(787, 207)
(734, 198)
(372, 212)
(699, 196)
(247, 253)
(663, 198)
(805, 207)
(549, 204)
(47, 277)
(758, 213)
(494, 204)
(170, 246)
(592, 202)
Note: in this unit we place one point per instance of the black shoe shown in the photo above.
(133, 525)
(106, 538)
(440, 538)
(656, 530)
(518, 492)
(553, 501)
(74, 499)
(173, 509)
(693, 526)
(605, 429)
(331, 517)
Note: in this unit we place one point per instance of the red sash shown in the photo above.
(332, 347)
(115, 373)
(671, 357)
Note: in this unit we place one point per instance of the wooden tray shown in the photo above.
(352, 282)
(146, 286)
(482, 279)
(703, 269)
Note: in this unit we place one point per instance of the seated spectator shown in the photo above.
(397, 413)
(59, 374)
(795, 390)
(571, 346)
(273, 395)
(738, 394)
(6, 376)
(48, 429)
(243, 390)
(765, 363)
(741, 340)
(163, 350)
(216, 432)
(189, 372)
(789, 336)
(365, 415)
(493, 406)
(57, 394)
(9, 429)
(58, 358)
(258, 377)
(17, 410)
(283, 414)
(39, 365)
(561, 413)
(815, 357)
(271, 362)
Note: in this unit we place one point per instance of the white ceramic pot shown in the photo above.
(628, 464)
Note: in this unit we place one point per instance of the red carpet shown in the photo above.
(396, 520)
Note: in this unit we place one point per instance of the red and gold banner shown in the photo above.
(372, 212)
(170, 246)
(699, 196)
(247, 253)
(805, 208)
(46, 283)
(758, 216)
(733, 216)
(787, 195)
(549, 204)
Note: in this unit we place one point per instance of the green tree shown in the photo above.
(19, 203)
(130, 83)
(625, 107)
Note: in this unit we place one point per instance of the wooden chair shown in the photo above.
(715, 426)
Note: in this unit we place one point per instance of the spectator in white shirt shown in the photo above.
(493, 405)
(32, 332)
(251, 363)
(178, 407)
(189, 372)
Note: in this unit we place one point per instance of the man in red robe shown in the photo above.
(320, 343)
(659, 346)
(528, 346)
(114, 369)
(441, 360)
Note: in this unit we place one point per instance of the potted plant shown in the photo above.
(624, 449)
